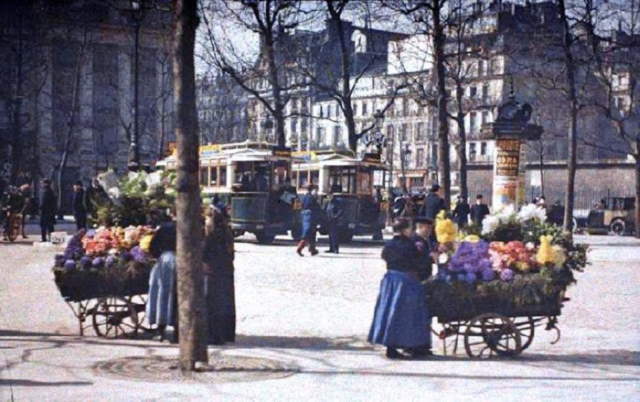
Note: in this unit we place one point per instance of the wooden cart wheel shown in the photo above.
(492, 333)
(474, 342)
(115, 317)
(527, 328)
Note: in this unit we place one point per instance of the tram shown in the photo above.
(252, 181)
(358, 182)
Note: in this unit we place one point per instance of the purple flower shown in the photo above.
(69, 265)
(85, 261)
(127, 256)
(98, 262)
(488, 275)
(110, 261)
(506, 275)
(470, 277)
(138, 254)
(470, 257)
(74, 248)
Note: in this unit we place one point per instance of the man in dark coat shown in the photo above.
(334, 212)
(479, 211)
(79, 204)
(425, 245)
(433, 203)
(47, 207)
(461, 212)
(556, 213)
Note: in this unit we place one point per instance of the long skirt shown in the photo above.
(161, 304)
(308, 225)
(221, 307)
(401, 319)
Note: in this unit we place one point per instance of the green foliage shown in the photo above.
(139, 202)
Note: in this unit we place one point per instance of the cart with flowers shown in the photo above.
(495, 287)
(103, 276)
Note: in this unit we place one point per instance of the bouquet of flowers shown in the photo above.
(518, 257)
(105, 248)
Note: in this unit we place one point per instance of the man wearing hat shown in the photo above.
(79, 204)
(425, 245)
(479, 211)
(433, 203)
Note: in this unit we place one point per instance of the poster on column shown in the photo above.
(522, 179)
(505, 173)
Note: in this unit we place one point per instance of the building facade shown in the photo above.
(74, 73)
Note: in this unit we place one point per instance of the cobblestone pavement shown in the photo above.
(310, 316)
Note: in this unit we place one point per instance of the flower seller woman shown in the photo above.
(400, 319)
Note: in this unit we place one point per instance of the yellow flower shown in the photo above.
(472, 238)
(446, 231)
(522, 266)
(545, 253)
(145, 243)
(559, 255)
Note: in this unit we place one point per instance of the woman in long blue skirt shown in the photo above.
(400, 319)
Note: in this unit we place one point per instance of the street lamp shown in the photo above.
(135, 11)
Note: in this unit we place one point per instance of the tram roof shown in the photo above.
(247, 151)
(336, 158)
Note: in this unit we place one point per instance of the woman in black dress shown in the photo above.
(219, 278)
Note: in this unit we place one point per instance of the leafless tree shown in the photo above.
(431, 19)
(266, 73)
(613, 43)
(23, 78)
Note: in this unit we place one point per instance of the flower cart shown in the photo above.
(495, 287)
(103, 276)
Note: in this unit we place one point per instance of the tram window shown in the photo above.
(204, 175)
(304, 179)
(294, 179)
(345, 178)
(315, 177)
(213, 177)
(223, 176)
(364, 181)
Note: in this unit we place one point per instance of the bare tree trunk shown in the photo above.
(462, 145)
(570, 66)
(637, 213)
(278, 104)
(191, 307)
(444, 165)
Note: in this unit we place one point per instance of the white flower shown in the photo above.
(530, 212)
(443, 258)
(114, 192)
(490, 223)
(108, 179)
(505, 214)
(530, 246)
(154, 179)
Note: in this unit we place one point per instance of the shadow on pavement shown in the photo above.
(301, 342)
(30, 383)
(613, 357)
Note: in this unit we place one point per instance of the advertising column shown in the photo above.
(505, 173)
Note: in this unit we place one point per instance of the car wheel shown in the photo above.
(617, 227)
